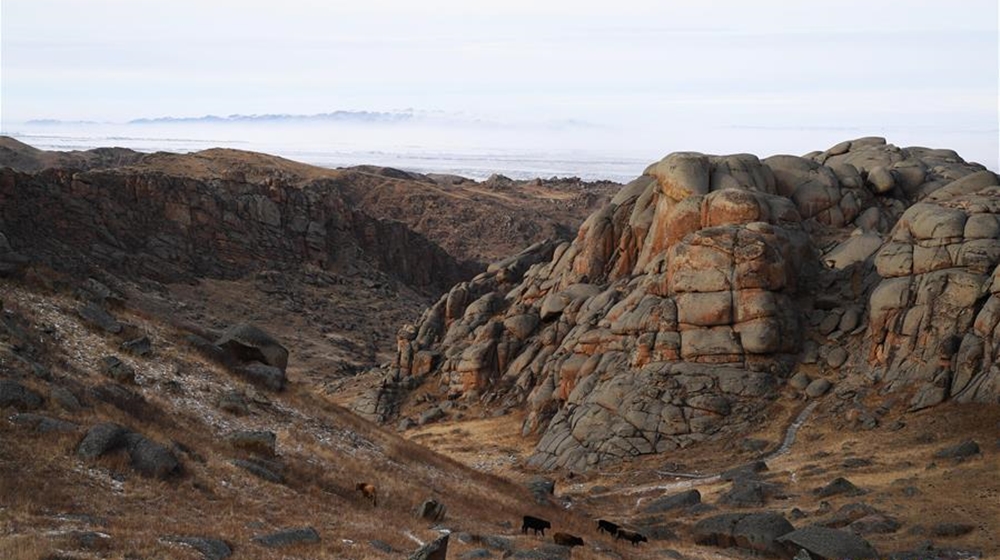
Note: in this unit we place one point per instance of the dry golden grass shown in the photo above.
(326, 450)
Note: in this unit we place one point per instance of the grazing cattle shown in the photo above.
(631, 536)
(607, 527)
(368, 491)
(567, 539)
(536, 524)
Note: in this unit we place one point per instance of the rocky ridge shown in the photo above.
(684, 305)
(326, 252)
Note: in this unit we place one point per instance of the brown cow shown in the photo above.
(567, 539)
(631, 536)
(368, 491)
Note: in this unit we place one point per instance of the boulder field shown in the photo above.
(684, 305)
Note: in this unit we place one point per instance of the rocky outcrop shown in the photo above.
(935, 313)
(173, 227)
(22, 157)
(147, 457)
(681, 305)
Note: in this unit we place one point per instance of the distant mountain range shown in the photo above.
(337, 116)
(345, 117)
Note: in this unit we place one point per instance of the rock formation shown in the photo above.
(683, 304)
(174, 228)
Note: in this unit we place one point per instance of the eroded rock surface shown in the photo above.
(681, 306)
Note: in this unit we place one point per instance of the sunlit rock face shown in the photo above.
(682, 305)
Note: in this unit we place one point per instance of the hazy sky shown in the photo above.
(923, 69)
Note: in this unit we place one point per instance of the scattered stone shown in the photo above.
(234, 402)
(818, 388)
(98, 317)
(836, 357)
(747, 493)
(100, 439)
(849, 513)
(822, 542)
(752, 531)
(210, 549)
(432, 414)
(856, 463)
(405, 424)
(659, 532)
(497, 542)
(124, 399)
(542, 488)
(829, 323)
(673, 501)
(838, 486)
(754, 445)
(431, 510)
(247, 343)
(876, 523)
(266, 376)
(799, 381)
(851, 317)
(118, 370)
(18, 396)
(65, 399)
(546, 551)
(759, 532)
(138, 347)
(951, 529)
(963, 450)
(266, 470)
(436, 550)
(382, 546)
(43, 424)
(258, 442)
(288, 537)
(147, 457)
(750, 470)
(90, 540)
(475, 554)
(209, 350)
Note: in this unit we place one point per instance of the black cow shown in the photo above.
(536, 524)
(631, 536)
(607, 527)
(567, 539)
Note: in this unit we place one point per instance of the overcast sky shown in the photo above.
(923, 69)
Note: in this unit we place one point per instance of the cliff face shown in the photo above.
(335, 258)
(683, 304)
(173, 228)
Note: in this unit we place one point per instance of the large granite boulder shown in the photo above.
(680, 306)
(758, 532)
(248, 343)
(823, 543)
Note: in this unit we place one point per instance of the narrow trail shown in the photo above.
(698, 479)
